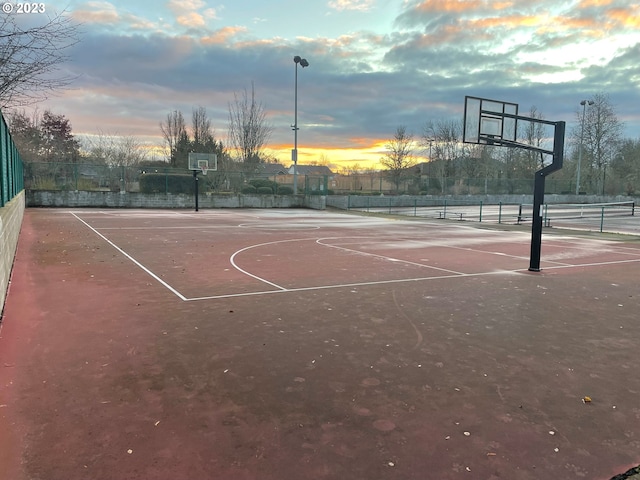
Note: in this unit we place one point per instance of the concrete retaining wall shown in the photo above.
(45, 198)
(10, 222)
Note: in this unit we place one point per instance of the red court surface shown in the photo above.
(288, 344)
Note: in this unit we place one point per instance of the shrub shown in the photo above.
(284, 190)
(86, 184)
(265, 190)
(248, 189)
(263, 182)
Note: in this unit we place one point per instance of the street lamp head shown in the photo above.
(586, 102)
(302, 61)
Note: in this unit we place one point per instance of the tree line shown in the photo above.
(594, 146)
(48, 137)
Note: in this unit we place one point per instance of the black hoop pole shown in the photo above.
(195, 179)
(538, 195)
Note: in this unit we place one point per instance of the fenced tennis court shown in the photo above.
(253, 344)
(614, 217)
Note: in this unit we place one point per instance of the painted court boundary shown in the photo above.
(281, 289)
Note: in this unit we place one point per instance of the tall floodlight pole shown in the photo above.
(584, 104)
(294, 153)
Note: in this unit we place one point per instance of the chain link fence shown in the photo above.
(87, 177)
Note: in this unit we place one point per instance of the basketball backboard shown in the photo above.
(203, 161)
(492, 122)
(489, 122)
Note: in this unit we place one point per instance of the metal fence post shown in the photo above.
(519, 214)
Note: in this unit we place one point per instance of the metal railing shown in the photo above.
(616, 217)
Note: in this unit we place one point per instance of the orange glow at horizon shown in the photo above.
(365, 157)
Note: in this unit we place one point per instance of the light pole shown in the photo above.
(294, 153)
(584, 104)
(429, 177)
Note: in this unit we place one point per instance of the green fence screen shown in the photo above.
(11, 169)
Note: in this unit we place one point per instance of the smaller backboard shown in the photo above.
(203, 161)
(489, 122)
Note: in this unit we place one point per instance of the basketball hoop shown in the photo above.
(204, 169)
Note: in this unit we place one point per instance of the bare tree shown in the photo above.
(249, 130)
(399, 157)
(444, 139)
(201, 129)
(31, 56)
(601, 140)
(174, 132)
(114, 150)
(626, 165)
(533, 134)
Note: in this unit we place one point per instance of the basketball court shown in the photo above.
(270, 344)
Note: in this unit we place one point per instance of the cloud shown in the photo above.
(359, 5)
(97, 12)
(191, 13)
(223, 35)
(191, 19)
(180, 6)
(360, 85)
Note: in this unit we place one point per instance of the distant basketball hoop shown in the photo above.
(201, 163)
(493, 122)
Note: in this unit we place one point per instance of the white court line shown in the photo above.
(406, 280)
(360, 284)
(391, 259)
(162, 282)
(281, 289)
(232, 260)
(201, 227)
(595, 264)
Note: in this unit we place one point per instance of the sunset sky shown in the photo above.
(374, 65)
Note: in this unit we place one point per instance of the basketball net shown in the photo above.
(204, 170)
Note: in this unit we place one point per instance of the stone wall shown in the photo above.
(10, 222)
(72, 199)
